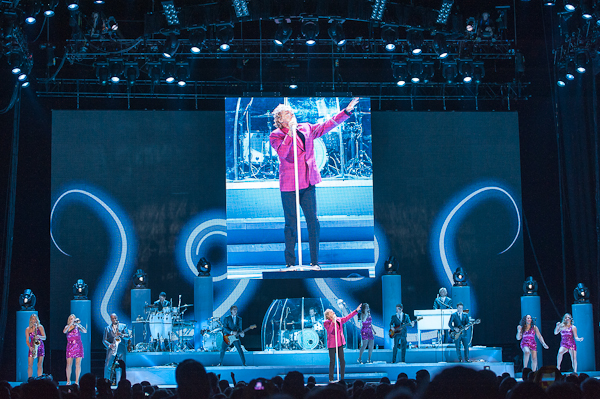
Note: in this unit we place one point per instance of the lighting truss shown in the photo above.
(378, 9)
(241, 8)
(170, 12)
(444, 12)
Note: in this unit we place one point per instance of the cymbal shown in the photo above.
(185, 306)
(151, 306)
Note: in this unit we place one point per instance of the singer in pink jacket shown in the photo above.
(281, 140)
(335, 339)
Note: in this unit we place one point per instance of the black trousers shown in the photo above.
(238, 346)
(332, 362)
(464, 339)
(399, 342)
(308, 203)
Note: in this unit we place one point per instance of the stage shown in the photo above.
(159, 367)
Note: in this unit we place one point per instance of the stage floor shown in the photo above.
(158, 367)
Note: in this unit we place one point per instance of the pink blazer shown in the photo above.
(331, 330)
(308, 173)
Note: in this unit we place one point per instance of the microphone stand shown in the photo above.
(297, 189)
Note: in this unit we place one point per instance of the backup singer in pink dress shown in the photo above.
(35, 333)
(73, 329)
(526, 332)
(282, 141)
(568, 336)
(336, 340)
(366, 332)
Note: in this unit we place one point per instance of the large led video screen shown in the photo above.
(334, 190)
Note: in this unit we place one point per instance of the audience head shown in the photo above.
(293, 384)
(526, 390)
(590, 388)
(37, 388)
(563, 390)
(192, 380)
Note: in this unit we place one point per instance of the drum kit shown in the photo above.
(307, 338)
(342, 153)
(212, 337)
(165, 329)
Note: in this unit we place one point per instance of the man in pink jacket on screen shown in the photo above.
(308, 174)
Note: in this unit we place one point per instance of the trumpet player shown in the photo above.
(35, 337)
(73, 330)
(114, 336)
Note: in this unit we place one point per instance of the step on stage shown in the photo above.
(158, 369)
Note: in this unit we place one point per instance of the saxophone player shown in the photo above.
(114, 338)
(35, 337)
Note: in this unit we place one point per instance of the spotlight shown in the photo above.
(27, 300)
(580, 61)
(16, 70)
(183, 73)
(293, 86)
(459, 277)
(581, 294)
(115, 70)
(444, 12)
(562, 72)
(570, 75)
(73, 5)
(449, 71)
(99, 1)
(197, 37)
(400, 71)
(586, 10)
(169, 71)
(154, 72)
(30, 20)
(391, 265)
(132, 72)
(171, 45)
(31, 12)
(415, 70)
(25, 84)
(22, 77)
(49, 8)
(283, 33)
(112, 23)
(550, 3)
(440, 46)
(478, 71)
(102, 72)
(465, 68)
(389, 34)
(310, 31)
(415, 41)
(530, 287)
(140, 279)
(561, 83)
(170, 13)
(80, 290)
(428, 71)
(241, 8)
(225, 36)
(204, 267)
(336, 33)
(570, 5)
(471, 26)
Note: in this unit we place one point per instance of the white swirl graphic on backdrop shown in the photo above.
(120, 250)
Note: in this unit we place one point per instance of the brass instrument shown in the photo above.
(36, 342)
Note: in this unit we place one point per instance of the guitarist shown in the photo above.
(232, 325)
(458, 320)
(399, 323)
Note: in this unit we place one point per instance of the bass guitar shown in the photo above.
(456, 334)
(396, 330)
(231, 338)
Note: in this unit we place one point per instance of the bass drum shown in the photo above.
(212, 341)
(321, 156)
(307, 339)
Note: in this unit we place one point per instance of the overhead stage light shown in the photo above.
(241, 8)
(182, 72)
(27, 300)
(168, 69)
(570, 75)
(170, 12)
(197, 37)
(444, 12)
(115, 70)
(415, 70)
(225, 36)
(378, 10)
(73, 5)
(581, 294)
(112, 23)
(171, 45)
(581, 60)
(140, 279)
(478, 71)
(449, 71)
(50, 7)
(440, 46)
(570, 5)
(204, 267)
(102, 72)
(132, 72)
(154, 72)
(415, 41)
(561, 74)
(465, 68)
(283, 33)
(530, 287)
(400, 72)
(336, 33)
(25, 84)
(310, 31)
(459, 277)
(80, 290)
(389, 35)
(550, 3)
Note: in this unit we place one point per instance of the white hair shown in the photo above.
(277, 114)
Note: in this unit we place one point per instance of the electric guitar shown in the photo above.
(397, 330)
(231, 338)
(456, 334)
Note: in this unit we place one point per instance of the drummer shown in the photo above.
(162, 302)
(316, 323)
